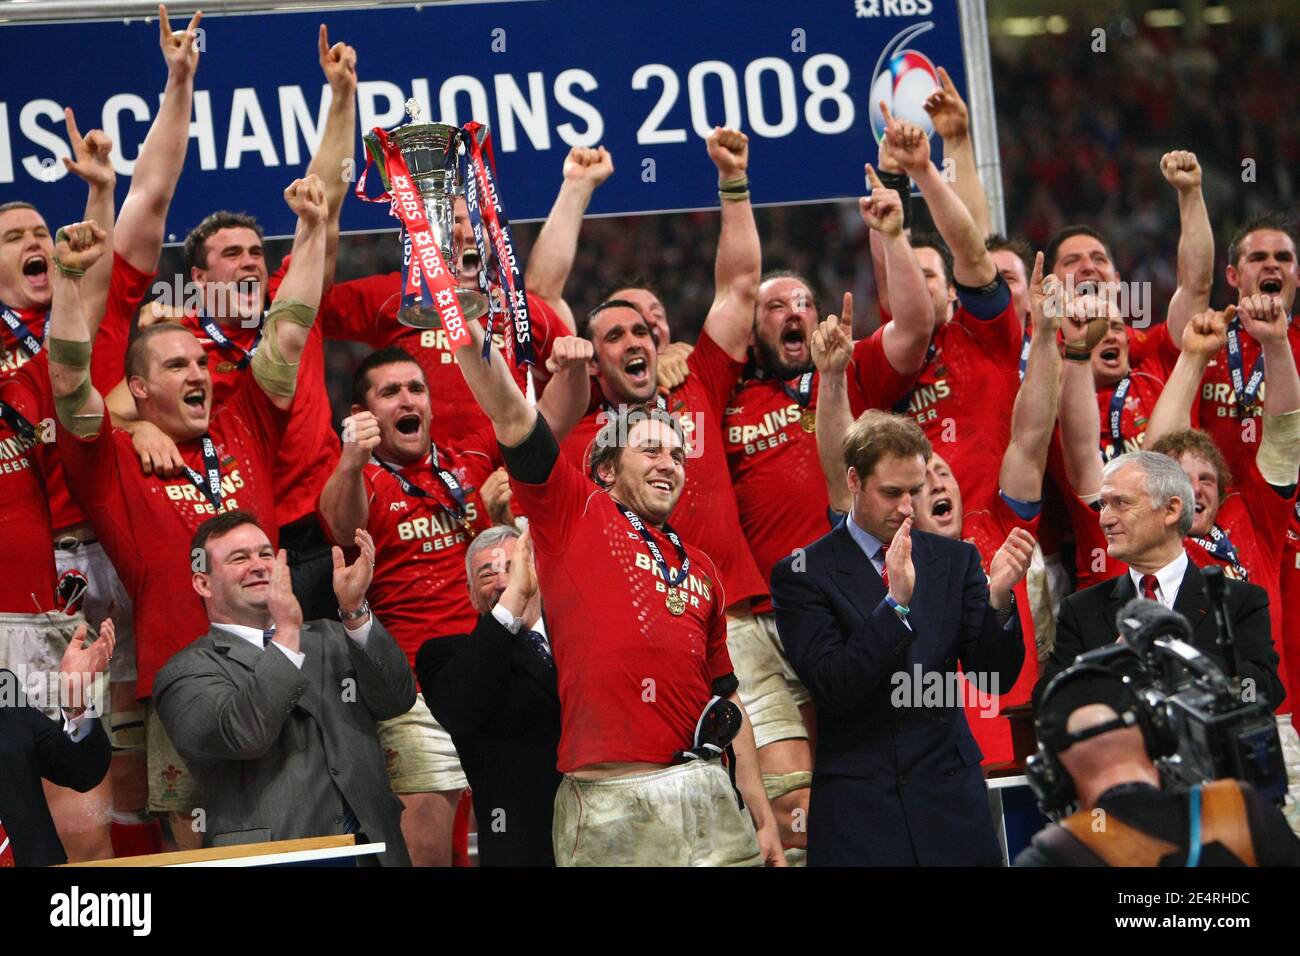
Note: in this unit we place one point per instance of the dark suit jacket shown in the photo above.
(1087, 621)
(275, 750)
(893, 785)
(33, 746)
(499, 702)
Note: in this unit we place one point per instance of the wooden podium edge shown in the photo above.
(227, 852)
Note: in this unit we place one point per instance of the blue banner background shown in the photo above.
(804, 153)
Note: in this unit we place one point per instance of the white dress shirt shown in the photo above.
(254, 636)
(505, 619)
(1168, 580)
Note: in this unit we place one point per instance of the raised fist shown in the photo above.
(339, 62)
(883, 209)
(1181, 169)
(78, 246)
(180, 50)
(946, 109)
(588, 166)
(729, 150)
(496, 494)
(1207, 332)
(90, 155)
(908, 143)
(306, 197)
(832, 348)
(1263, 315)
(360, 438)
(568, 352)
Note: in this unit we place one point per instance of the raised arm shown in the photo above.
(80, 408)
(1195, 242)
(551, 258)
(831, 351)
(1080, 417)
(1202, 339)
(1278, 456)
(730, 321)
(951, 121)
(91, 162)
(907, 334)
(569, 390)
(972, 264)
(495, 390)
(289, 322)
(1034, 414)
(344, 504)
(337, 144)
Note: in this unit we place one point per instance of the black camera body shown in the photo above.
(1199, 723)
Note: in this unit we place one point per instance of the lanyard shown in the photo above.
(801, 393)
(460, 510)
(1116, 416)
(223, 341)
(1245, 390)
(1221, 548)
(26, 340)
(210, 481)
(685, 563)
(15, 420)
(1024, 352)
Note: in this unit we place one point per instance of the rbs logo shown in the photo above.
(893, 8)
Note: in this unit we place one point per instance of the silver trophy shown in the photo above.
(425, 148)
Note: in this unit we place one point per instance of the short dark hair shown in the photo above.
(17, 204)
(1054, 245)
(877, 434)
(771, 274)
(196, 250)
(998, 243)
(218, 526)
(584, 322)
(1272, 221)
(393, 355)
(932, 240)
(613, 436)
(137, 354)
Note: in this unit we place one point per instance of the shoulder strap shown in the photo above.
(1224, 820)
(1117, 843)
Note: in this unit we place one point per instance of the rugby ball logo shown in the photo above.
(903, 78)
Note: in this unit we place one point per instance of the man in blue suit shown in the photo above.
(866, 612)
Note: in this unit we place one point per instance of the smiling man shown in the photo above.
(145, 521)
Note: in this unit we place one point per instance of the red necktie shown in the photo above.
(884, 568)
(6, 850)
(1149, 585)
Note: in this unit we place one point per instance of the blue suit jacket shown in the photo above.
(894, 785)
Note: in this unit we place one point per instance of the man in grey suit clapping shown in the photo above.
(276, 718)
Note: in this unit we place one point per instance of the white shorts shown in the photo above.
(769, 688)
(106, 597)
(32, 646)
(420, 755)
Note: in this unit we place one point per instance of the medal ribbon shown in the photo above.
(428, 277)
(223, 341)
(210, 481)
(487, 214)
(26, 340)
(1116, 417)
(1221, 548)
(1245, 391)
(15, 420)
(802, 393)
(1024, 352)
(460, 511)
(635, 521)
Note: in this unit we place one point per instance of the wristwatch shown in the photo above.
(507, 620)
(359, 613)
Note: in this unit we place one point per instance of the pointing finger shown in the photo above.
(873, 178)
(323, 41)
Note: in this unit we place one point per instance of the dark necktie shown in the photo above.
(538, 644)
(1149, 583)
(268, 635)
(6, 850)
(884, 569)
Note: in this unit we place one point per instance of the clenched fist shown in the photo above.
(1264, 316)
(306, 197)
(570, 351)
(78, 246)
(1207, 332)
(360, 438)
(729, 150)
(1181, 169)
(589, 167)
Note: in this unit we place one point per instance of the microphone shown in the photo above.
(1141, 621)
(1216, 586)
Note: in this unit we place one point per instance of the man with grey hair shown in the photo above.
(1147, 508)
(495, 692)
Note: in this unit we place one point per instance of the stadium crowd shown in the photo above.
(648, 602)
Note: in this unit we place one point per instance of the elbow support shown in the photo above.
(75, 355)
(1278, 457)
(272, 372)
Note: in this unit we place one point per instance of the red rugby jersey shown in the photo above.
(963, 395)
(419, 589)
(365, 310)
(146, 523)
(707, 512)
(633, 677)
(27, 586)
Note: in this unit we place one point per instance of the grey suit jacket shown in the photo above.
(275, 749)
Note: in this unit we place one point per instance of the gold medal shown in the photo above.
(808, 420)
(676, 602)
(224, 367)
